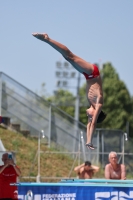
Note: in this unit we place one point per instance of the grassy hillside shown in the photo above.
(52, 165)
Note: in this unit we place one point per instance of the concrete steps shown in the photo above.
(5, 123)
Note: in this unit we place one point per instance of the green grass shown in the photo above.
(51, 164)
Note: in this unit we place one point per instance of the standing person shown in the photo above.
(86, 170)
(94, 91)
(8, 174)
(113, 170)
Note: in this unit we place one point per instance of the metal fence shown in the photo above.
(33, 113)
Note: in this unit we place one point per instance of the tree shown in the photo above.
(64, 100)
(117, 100)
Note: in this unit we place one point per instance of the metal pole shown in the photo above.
(76, 112)
(102, 150)
(83, 146)
(125, 138)
(123, 149)
(79, 151)
(77, 100)
(49, 135)
(98, 141)
(127, 129)
(38, 176)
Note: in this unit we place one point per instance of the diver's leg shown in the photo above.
(77, 62)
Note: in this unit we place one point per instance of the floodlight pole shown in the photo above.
(77, 100)
(77, 103)
(76, 116)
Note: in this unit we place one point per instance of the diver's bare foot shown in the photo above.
(90, 146)
(41, 36)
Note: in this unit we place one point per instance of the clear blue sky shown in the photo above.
(96, 30)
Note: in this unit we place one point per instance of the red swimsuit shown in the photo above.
(94, 74)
